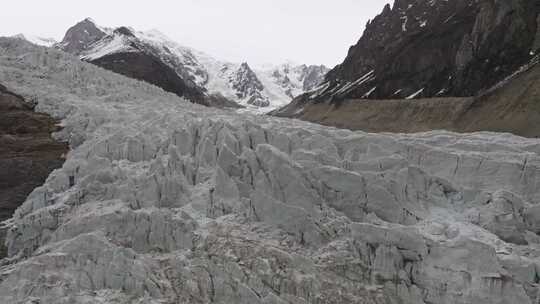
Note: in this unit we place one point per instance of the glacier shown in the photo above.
(174, 202)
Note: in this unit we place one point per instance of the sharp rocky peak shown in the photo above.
(248, 86)
(80, 36)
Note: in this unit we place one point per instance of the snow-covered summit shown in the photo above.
(268, 87)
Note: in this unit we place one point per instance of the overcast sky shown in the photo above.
(256, 31)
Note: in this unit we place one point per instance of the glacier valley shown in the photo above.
(173, 202)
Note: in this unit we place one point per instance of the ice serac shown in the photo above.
(421, 48)
(165, 201)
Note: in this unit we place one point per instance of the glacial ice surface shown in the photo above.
(178, 203)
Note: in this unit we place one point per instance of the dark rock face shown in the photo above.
(246, 83)
(536, 44)
(81, 36)
(28, 153)
(432, 48)
(142, 66)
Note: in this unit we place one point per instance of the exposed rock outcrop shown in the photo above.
(28, 153)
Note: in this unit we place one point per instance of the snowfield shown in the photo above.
(179, 203)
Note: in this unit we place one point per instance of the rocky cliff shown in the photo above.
(437, 48)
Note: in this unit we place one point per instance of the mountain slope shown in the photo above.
(437, 48)
(172, 202)
(149, 54)
(512, 106)
(425, 65)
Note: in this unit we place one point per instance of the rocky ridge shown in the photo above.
(176, 203)
(436, 48)
(245, 82)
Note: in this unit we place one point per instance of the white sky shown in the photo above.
(256, 31)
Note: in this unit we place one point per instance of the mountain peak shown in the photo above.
(81, 35)
(245, 66)
(89, 20)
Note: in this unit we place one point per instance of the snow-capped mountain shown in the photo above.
(296, 79)
(190, 73)
(247, 85)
